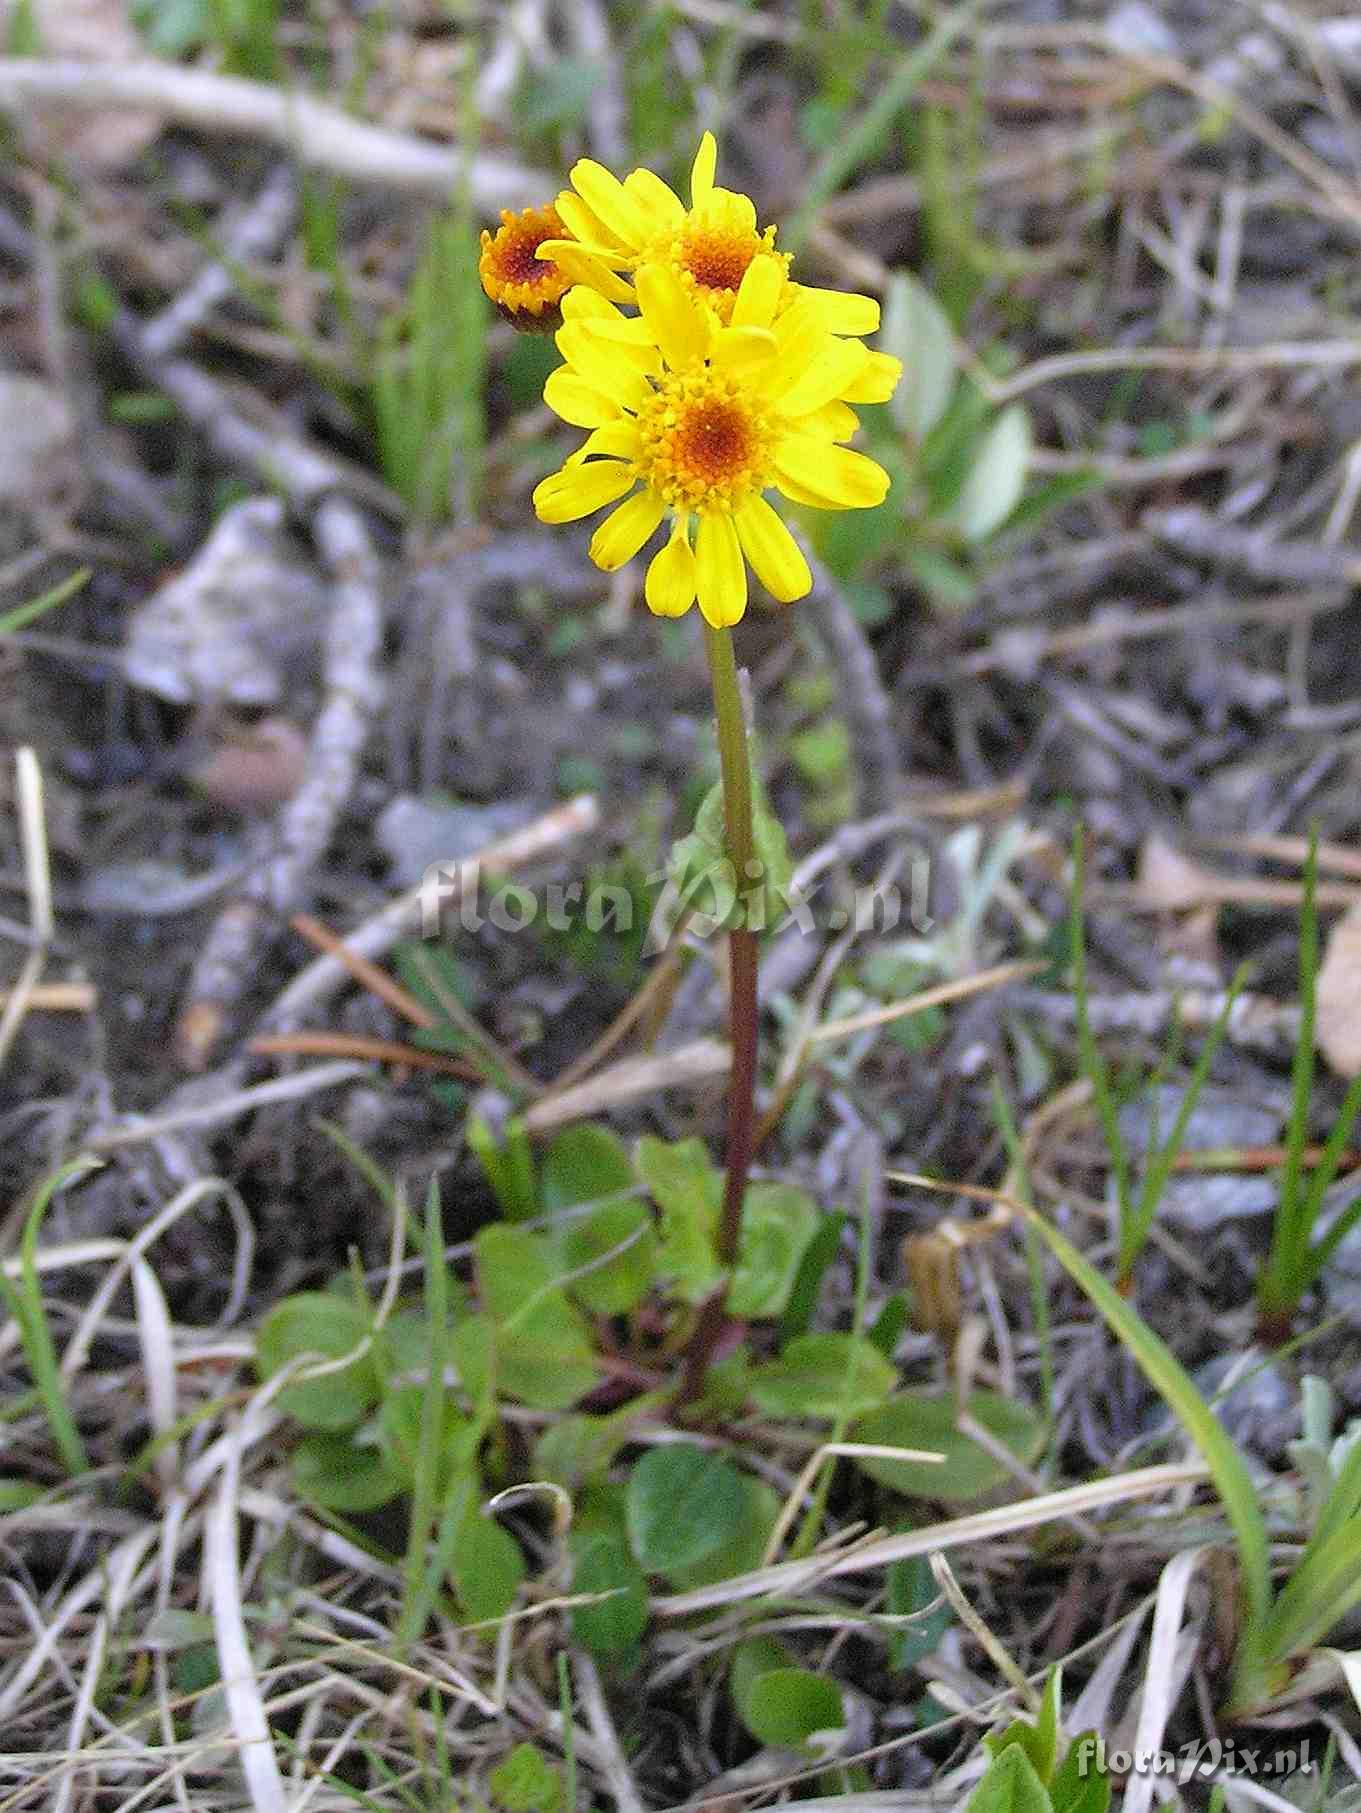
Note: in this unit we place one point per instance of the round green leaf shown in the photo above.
(787, 1706)
(779, 1703)
(745, 1551)
(330, 1470)
(915, 1420)
(583, 1164)
(778, 1221)
(487, 1567)
(317, 1323)
(825, 1376)
(621, 1283)
(681, 1505)
(604, 1565)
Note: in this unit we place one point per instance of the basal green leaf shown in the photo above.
(583, 1164)
(330, 1470)
(781, 1704)
(824, 1375)
(681, 1504)
(917, 1420)
(997, 476)
(620, 1284)
(778, 1222)
(745, 1550)
(545, 1357)
(688, 1192)
(1079, 1786)
(1010, 1786)
(487, 1566)
(328, 1327)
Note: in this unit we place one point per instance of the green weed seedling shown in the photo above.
(1277, 1626)
(1297, 1257)
(1032, 1771)
(960, 468)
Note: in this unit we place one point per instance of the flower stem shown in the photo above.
(735, 768)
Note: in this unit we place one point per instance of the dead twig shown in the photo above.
(864, 699)
(307, 820)
(316, 134)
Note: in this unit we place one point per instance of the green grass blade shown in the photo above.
(24, 1300)
(1090, 1060)
(1325, 1585)
(425, 1484)
(1166, 1374)
(1034, 1257)
(1320, 1252)
(1155, 1180)
(863, 138)
(24, 614)
(1280, 1285)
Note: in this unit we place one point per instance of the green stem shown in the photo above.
(735, 769)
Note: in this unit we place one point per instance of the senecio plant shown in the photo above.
(705, 377)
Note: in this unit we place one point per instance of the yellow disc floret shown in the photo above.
(705, 441)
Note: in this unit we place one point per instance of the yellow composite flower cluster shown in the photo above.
(730, 380)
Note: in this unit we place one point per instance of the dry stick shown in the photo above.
(256, 232)
(317, 134)
(866, 704)
(307, 821)
(359, 1045)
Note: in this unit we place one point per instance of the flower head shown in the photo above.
(526, 287)
(710, 245)
(695, 417)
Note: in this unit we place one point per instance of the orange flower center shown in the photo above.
(706, 442)
(518, 281)
(716, 259)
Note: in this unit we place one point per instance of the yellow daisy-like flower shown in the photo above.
(527, 287)
(696, 419)
(710, 245)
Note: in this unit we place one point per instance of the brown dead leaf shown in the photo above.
(1337, 1024)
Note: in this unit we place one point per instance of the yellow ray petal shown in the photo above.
(742, 348)
(720, 572)
(877, 382)
(676, 325)
(834, 421)
(827, 375)
(586, 304)
(833, 477)
(659, 198)
(736, 212)
(758, 295)
(775, 556)
(619, 439)
(670, 585)
(577, 490)
(577, 401)
(610, 369)
(625, 530)
(702, 171)
(843, 311)
(580, 222)
(801, 338)
(610, 202)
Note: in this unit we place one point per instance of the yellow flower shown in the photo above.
(697, 419)
(526, 287)
(710, 245)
